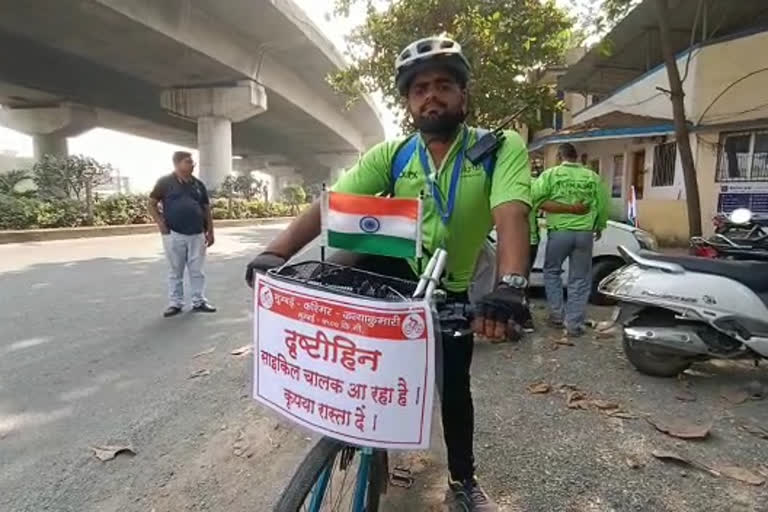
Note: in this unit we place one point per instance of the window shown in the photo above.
(743, 156)
(617, 185)
(664, 157)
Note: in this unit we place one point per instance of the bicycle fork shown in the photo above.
(361, 484)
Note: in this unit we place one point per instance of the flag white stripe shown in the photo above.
(390, 225)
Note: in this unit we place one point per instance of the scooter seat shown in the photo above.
(752, 274)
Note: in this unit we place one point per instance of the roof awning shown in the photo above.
(612, 125)
(632, 48)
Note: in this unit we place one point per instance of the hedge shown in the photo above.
(17, 212)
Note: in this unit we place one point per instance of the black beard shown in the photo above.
(442, 127)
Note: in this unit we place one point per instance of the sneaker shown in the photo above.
(204, 308)
(172, 311)
(556, 323)
(576, 332)
(471, 497)
(528, 326)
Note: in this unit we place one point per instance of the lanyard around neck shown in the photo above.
(444, 211)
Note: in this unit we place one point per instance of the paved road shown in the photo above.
(87, 359)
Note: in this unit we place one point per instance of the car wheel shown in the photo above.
(600, 270)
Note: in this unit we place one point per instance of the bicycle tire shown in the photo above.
(323, 453)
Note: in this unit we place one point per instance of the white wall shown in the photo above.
(713, 68)
(641, 97)
(742, 62)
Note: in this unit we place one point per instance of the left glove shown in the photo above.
(500, 312)
(260, 264)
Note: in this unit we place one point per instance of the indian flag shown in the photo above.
(373, 225)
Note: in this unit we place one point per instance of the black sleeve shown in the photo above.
(204, 201)
(160, 189)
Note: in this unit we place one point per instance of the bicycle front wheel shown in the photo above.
(327, 480)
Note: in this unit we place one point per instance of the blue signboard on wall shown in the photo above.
(743, 196)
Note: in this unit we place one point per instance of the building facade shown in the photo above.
(626, 133)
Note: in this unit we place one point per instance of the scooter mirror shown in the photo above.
(741, 216)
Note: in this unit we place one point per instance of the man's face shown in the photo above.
(186, 166)
(436, 102)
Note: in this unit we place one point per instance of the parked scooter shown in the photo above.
(676, 310)
(739, 223)
(743, 238)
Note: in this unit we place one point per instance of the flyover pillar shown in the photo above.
(49, 144)
(49, 126)
(215, 109)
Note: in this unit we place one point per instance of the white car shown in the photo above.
(605, 258)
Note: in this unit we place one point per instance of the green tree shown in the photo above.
(617, 9)
(294, 196)
(72, 177)
(228, 190)
(244, 185)
(11, 179)
(503, 39)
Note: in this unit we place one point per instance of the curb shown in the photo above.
(44, 235)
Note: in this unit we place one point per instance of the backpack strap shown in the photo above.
(403, 156)
(489, 162)
(408, 148)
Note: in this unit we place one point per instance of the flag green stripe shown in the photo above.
(373, 244)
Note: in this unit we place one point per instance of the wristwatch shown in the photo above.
(514, 281)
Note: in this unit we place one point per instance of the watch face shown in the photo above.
(515, 281)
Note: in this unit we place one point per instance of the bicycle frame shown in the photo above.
(426, 287)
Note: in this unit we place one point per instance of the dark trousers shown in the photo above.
(457, 410)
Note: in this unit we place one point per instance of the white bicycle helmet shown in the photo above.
(429, 53)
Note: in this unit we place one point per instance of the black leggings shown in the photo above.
(458, 413)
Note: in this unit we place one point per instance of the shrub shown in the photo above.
(62, 213)
(18, 212)
(122, 209)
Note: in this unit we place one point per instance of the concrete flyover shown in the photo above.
(242, 77)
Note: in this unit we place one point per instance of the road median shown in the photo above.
(44, 235)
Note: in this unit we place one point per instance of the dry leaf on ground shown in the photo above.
(577, 400)
(680, 428)
(741, 474)
(605, 325)
(607, 333)
(624, 415)
(199, 373)
(735, 396)
(241, 351)
(565, 341)
(763, 470)
(754, 429)
(670, 456)
(539, 388)
(109, 452)
(605, 405)
(204, 352)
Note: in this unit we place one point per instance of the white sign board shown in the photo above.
(361, 371)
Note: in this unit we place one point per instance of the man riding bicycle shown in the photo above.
(462, 203)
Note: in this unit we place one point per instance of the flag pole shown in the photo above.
(323, 221)
(419, 255)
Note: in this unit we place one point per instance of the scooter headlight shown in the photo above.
(646, 240)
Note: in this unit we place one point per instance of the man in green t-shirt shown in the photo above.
(432, 76)
(537, 209)
(570, 235)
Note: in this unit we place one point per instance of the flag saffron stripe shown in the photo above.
(373, 244)
(371, 205)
